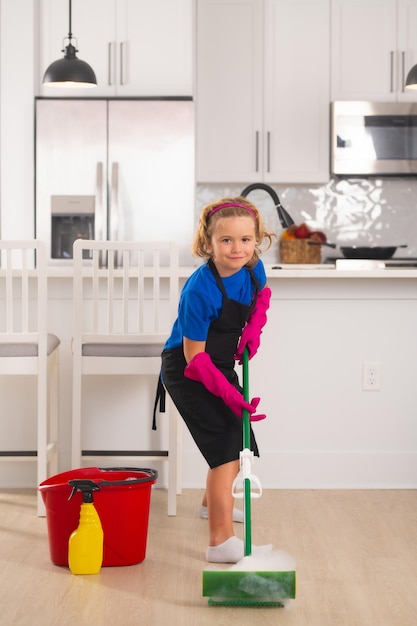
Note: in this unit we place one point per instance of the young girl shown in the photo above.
(222, 309)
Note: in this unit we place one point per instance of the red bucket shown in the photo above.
(123, 506)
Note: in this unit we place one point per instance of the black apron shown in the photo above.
(216, 430)
(224, 333)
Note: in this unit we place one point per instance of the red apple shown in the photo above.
(291, 230)
(303, 232)
(317, 235)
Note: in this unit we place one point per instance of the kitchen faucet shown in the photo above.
(285, 219)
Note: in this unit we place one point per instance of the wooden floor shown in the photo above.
(356, 554)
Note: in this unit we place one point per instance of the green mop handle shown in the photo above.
(246, 444)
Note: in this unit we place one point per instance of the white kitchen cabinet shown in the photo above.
(135, 47)
(296, 94)
(262, 90)
(373, 45)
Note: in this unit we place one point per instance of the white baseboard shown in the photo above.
(299, 469)
(291, 469)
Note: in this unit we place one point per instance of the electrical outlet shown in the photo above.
(370, 376)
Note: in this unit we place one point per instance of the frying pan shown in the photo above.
(370, 252)
(363, 252)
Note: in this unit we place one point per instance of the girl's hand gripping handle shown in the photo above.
(202, 369)
(251, 334)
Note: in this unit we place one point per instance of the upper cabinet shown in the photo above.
(373, 46)
(135, 47)
(262, 91)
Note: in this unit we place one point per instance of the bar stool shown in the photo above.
(27, 349)
(125, 301)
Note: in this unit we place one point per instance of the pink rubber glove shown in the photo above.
(251, 334)
(202, 369)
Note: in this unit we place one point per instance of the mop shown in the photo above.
(242, 584)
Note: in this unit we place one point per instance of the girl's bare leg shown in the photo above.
(220, 501)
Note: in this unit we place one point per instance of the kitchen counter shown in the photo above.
(330, 271)
(278, 270)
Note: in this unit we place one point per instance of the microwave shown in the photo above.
(373, 138)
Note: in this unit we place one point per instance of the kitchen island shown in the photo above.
(323, 429)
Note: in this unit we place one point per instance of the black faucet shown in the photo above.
(285, 219)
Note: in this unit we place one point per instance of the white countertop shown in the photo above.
(279, 270)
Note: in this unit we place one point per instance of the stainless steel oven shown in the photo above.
(373, 138)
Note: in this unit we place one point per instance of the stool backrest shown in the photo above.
(23, 291)
(124, 291)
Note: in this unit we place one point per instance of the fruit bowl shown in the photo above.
(294, 245)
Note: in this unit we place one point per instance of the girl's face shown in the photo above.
(233, 243)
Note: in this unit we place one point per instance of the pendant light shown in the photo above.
(411, 82)
(69, 71)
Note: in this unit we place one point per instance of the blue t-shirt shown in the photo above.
(201, 301)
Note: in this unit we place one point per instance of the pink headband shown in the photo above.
(224, 206)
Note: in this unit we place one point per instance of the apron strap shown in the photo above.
(160, 396)
(221, 285)
(216, 275)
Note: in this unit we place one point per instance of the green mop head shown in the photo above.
(241, 585)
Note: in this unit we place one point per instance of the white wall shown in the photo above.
(17, 89)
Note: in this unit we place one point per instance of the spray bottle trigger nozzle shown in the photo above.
(86, 487)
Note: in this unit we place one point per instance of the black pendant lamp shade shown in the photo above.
(411, 81)
(69, 71)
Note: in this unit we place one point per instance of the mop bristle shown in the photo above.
(246, 603)
(248, 588)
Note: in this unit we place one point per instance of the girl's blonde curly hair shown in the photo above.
(239, 206)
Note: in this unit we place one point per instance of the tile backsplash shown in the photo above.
(367, 211)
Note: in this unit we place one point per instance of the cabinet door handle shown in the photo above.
(99, 225)
(403, 72)
(257, 151)
(392, 71)
(110, 79)
(114, 202)
(268, 147)
(122, 63)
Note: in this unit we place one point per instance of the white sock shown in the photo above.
(237, 514)
(232, 550)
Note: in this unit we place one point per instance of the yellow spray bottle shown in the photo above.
(85, 545)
